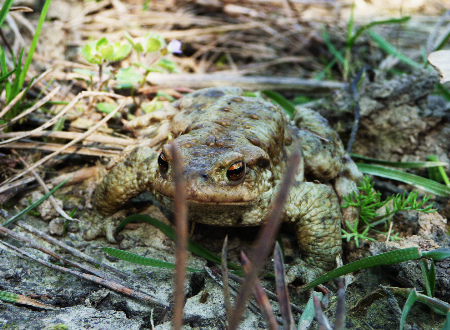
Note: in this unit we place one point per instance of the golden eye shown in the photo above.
(162, 163)
(236, 171)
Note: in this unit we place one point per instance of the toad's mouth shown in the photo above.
(210, 196)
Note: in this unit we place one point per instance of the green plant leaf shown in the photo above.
(408, 304)
(106, 107)
(145, 261)
(128, 76)
(121, 51)
(84, 72)
(412, 179)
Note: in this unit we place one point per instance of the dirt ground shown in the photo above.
(288, 46)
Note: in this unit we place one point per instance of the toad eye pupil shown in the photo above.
(162, 163)
(236, 171)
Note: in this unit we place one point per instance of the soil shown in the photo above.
(257, 45)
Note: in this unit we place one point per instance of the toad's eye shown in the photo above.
(162, 163)
(236, 171)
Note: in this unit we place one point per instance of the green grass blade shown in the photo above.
(408, 304)
(32, 206)
(337, 54)
(412, 179)
(4, 77)
(368, 26)
(139, 260)
(390, 49)
(281, 101)
(4, 11)
(387, 258)
(424, 164)
(446, 325)
(34, 42)
(170, 232)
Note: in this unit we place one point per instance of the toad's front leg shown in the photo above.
(314, 210)
(127, 179)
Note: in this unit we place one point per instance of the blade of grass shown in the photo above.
(34, 42)
(368, 26)
(412, 179)
(408, 304)
(279, 99)
(140, 260)
(5, 9)
(423, 164)
(169, 232)
(32, 206)
(337, 54)
(390, 49)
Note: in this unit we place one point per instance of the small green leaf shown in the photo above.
(128, 76)
(153, 44)
(84, 72)
(106, 107)
(121, 52)
(101, 43)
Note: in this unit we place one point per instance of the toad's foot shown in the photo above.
(104, 226)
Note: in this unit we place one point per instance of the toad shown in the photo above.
(234, 150)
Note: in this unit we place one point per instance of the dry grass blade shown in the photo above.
(68, 248)
(70, 136)
(266, 239)
(282, 292)
(41, 182)
(226, 287)
(36, 246)
(34, 107)
(248, 83)
(81, 137)
(339, 322)
(322, 321)
(70, 150)
(181, 230)
(109, 284)
(260, 296)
